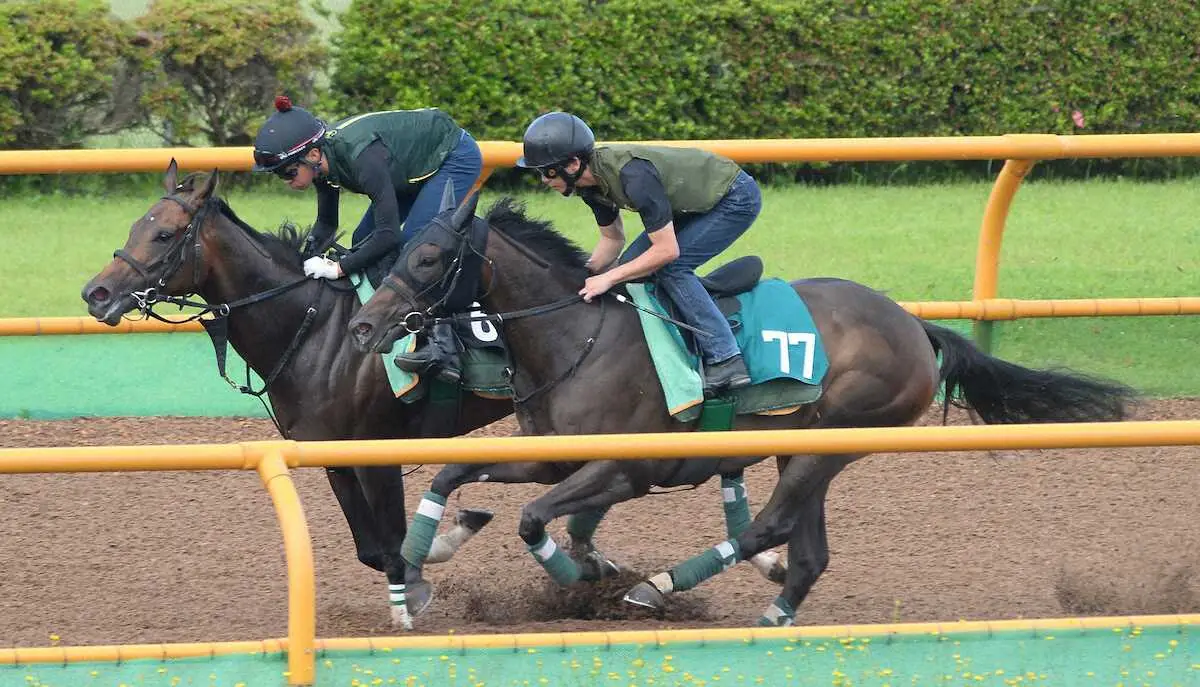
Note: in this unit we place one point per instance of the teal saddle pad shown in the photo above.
(779, 341)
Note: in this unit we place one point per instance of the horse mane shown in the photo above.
(508, 215)
(283, 247)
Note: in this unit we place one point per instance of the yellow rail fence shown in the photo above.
(273, 460)
(1019, 151)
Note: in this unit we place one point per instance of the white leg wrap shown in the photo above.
(398, 601)
(546, 550)
(446, 545)
(431, 509)
(662, 582)
(764, 561)
(774, 614)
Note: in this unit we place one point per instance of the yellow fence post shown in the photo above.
(302, 587)
(991, 233)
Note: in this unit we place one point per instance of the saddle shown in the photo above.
(737, 276)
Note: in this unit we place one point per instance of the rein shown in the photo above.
(417, 321)
(217, 327)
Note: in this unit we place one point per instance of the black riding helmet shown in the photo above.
(553, 139)
(286, 136)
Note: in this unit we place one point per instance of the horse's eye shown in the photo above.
(164, 236)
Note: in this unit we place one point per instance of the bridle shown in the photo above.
(468, 255)
(217, 327)
(171, 261)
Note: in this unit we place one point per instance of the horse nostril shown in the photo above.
(99, 295)
(363, 329)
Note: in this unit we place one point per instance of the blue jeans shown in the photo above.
(462, 167)
(701, 238)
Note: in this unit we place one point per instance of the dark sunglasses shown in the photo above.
(546, 172)
(288, 172)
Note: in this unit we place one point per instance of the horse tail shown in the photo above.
(1004, 393)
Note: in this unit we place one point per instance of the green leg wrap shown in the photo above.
(779, 614)
(424, 527)
(737, 505)
(697, 569)
(581, 526)
(557, 563)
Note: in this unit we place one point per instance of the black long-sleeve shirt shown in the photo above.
(373, 176)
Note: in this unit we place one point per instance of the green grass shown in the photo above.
(1064, 240)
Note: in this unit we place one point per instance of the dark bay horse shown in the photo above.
(292, 332)
(584, 368)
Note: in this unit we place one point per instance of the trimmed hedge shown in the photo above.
(67, 71)
(779, 69)
(220, 64)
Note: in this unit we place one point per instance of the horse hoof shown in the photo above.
(778, 573)
(401, 618)
(418, 596)
(595, 566)
(771, 565)
(474, 519)
(646, 595)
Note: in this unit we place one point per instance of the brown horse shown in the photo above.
(291, 331)
(584, 368)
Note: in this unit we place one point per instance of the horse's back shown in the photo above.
(829, 296)
(863, 326)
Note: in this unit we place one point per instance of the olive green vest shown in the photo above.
(695, 180)
(417, 140)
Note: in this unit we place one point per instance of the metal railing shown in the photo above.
(1020, 152)
(273, 459)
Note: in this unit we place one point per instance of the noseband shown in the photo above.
(172, 260)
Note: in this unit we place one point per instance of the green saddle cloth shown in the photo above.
(485, 370)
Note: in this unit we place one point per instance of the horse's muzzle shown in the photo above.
(102, 305)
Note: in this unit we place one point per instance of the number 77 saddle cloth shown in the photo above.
(773, 328)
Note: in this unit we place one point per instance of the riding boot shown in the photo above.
(728, 374)
(440, 352)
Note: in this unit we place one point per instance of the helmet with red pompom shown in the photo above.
(286, 136)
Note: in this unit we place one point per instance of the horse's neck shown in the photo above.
(261, 332)
(519, 283)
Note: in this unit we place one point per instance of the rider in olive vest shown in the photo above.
(402, 160)
(693, 205)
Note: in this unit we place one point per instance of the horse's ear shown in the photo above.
(210, 187)
(170, 182)
(466, 211)
(447, 197)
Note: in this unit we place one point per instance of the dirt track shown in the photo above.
(120, 558)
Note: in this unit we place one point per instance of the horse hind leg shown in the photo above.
(772, 527)
(808, 555)
(736, 501)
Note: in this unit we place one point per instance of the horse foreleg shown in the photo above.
(422, 547)
(354, 505)
(590, 491)
(383, 492)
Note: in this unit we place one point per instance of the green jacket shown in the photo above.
(418, 141)
(695, 180)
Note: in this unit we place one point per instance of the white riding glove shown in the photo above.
(320, 267)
